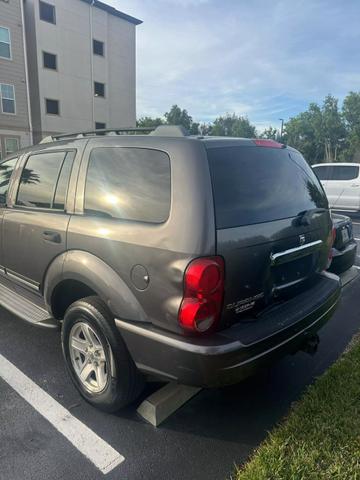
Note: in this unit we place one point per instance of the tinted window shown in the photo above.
(63, 182)
(323, 172)
(255, 185)
(98, 47)
(39, 179)
(49, 60)
(99, 89)
(47, 12)
(6, 169)
(128, 183)
(344, 172)
(52, 106)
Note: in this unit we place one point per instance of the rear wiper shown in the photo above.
(305, 217)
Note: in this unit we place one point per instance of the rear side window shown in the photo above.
(128, 184)
(6, 169)
(323, 172)
(344, 172)
(255, 185)
(44, 180)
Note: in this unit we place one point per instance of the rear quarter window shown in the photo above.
(255, 185)
(344, 172)
(323, 172)
(128, 184)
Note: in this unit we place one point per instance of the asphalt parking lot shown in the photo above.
(202, 440)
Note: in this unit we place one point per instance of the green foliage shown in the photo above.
(149, 122)
(270, 133)
(176, 116)
(351, 115)
(323, 133)
(233, 126)
(320, 439)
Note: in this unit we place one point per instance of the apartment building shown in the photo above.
(14, 109)
(80, 66)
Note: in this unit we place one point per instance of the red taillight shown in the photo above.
(264, 142)
(330, 242)
(203, 294)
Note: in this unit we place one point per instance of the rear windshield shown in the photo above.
(256, 185)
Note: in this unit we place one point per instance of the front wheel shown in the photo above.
(96, 356)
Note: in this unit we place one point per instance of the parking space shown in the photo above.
(204, 439)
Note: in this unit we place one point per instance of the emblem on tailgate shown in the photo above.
(245, 304)
(302, 239)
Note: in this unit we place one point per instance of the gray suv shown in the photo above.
(192, 259)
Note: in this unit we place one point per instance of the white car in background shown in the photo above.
(341, 182)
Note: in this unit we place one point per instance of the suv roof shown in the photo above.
(163, 132)
(175, 131)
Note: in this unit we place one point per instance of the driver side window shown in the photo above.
(6, 169)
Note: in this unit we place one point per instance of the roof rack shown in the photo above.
(160, 131)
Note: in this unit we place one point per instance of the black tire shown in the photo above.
(125, 383)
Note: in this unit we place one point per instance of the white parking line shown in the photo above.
(100, 453)
(355, 223)
(358, 239)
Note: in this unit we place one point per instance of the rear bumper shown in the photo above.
(237, 352)
(343, 259)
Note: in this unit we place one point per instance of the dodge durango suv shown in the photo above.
(192, 259)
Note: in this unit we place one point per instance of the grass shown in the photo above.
(320, 439)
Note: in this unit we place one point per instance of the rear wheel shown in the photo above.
(96, 356)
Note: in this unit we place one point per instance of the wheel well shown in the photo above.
(66, 293)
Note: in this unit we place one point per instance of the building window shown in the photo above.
(52, 106)
(47, 12)
(7, 97)
(98, 47)
(5, 43)
(99, 125)
(99, 89)
(11, 145)
(50, 60)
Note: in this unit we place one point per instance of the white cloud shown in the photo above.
(263, 59)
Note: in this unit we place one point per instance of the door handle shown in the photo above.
(50, 236)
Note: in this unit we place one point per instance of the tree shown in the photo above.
(148, 122)
(319, 132)
(176, 116)
(333, 128)
(304, 132)
(233, 126)
(351, 115)
(270, 133)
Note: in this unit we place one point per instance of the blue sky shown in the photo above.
(264, 59)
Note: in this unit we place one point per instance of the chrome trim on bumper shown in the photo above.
(293, 253)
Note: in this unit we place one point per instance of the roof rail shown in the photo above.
(99, 131)
(160, 131)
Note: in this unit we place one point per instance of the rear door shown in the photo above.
(272, 223)
(343, 187)
(35, 223)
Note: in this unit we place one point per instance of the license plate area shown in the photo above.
(293, 271)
